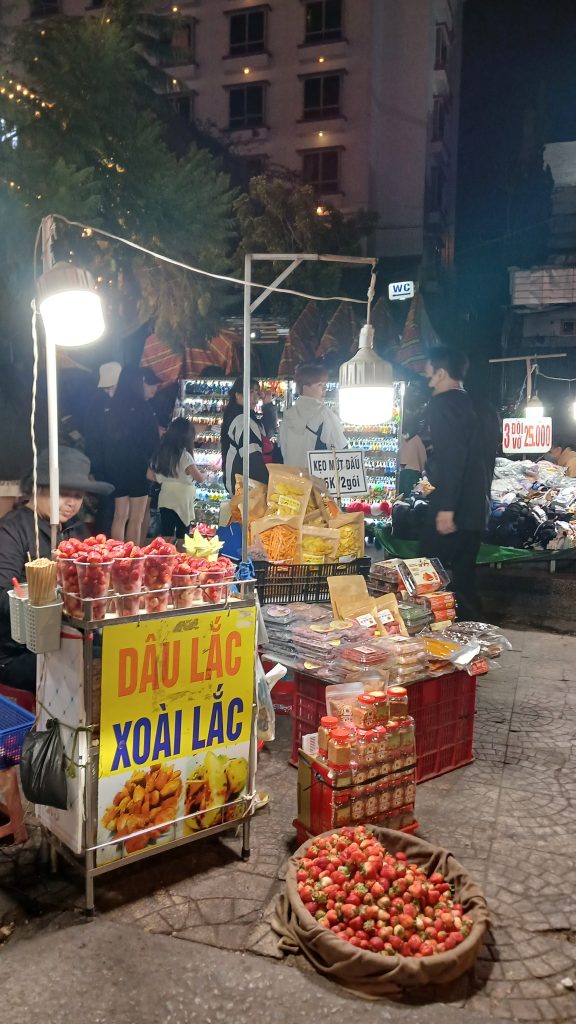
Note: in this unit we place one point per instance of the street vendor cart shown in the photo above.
(156, 713)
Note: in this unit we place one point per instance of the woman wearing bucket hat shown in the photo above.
(17, 539)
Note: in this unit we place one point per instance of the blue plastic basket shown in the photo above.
(14, 724)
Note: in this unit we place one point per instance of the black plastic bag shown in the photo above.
(43, 767)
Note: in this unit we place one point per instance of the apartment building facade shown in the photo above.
(357, 97)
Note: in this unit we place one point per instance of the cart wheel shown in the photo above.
(245, 854)
(89, 913)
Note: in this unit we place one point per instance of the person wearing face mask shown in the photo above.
(232, 437)
(309, 425)
(17, 540)
(459, 470)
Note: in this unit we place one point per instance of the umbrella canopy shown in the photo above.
(341, 334)
(302, 339)
(167, 365)
(418, 336)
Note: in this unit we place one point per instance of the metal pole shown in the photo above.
(528, 379)
(246, 404)
(48, 229)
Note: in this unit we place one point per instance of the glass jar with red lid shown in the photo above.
(339, 748)
(327, 723)
(397, 702)
(364, 711)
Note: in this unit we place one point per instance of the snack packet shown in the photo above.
(389, 618)
(345, 592)
(256, 501)
(319, 545)
(350, 526)
(280, 539)
(288, 491)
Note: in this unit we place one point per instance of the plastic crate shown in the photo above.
(443, 710)
(308, 708)
(14, 724)
(283, 584)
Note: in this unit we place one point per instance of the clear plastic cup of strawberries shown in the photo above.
(185, 584)
(94, 569)
(127, 574)
(216, 576)
(160, 559)
(65, 556)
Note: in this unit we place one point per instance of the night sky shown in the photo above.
(518, 93)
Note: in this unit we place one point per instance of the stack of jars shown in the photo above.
(371, 759)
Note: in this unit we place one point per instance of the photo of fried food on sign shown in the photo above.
(214, 789)
(148, 797)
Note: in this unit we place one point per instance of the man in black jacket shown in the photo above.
(459, 470)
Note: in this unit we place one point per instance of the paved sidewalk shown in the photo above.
(509, 817)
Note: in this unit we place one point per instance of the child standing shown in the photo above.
(174, 468)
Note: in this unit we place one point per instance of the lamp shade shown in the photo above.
(366, 392)
(70, 306)
(534, 408)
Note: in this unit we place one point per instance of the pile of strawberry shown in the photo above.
(376, 900)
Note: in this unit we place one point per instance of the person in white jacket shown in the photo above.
(309, 425)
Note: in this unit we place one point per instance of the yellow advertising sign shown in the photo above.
(176, 718)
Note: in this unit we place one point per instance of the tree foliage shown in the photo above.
(280, 214)
(97, 153)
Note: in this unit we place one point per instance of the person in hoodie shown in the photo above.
(309, 425)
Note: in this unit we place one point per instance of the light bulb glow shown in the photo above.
(534, 409)
(366, 406)
(72, 318)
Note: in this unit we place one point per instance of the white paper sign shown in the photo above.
(523, 437)
(343, 472)
(401, 290)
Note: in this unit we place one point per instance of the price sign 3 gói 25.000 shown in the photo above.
(524, 437)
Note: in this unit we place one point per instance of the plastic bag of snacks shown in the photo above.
(279, 539)
(350, 526)
(319, 545)
(288, 492)
(256, 500)
(389, 618)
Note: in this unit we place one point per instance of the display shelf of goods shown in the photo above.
(380, 444)
(203, 401)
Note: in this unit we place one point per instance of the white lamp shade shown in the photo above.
(366, 392)
(534, 409)
(70, 306)
(366, 406)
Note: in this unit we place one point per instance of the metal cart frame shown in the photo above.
(86, 862)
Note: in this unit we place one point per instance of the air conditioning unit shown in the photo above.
(568, 327)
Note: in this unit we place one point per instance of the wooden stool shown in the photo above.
(11, 806)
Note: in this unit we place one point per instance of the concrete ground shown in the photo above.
(186, 935)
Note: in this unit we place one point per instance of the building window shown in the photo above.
(323, 21)
(439, 114)
(437, 186)
(43, 8)
(247, 32)
(321, 96)
(321, 169)
(442, 48)
(183, 106)
(245, 107)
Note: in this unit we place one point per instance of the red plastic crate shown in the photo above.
(308, 708)
(443, 710)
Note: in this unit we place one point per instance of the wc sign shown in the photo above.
(401, 290)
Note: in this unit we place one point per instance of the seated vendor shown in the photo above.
(18, 543)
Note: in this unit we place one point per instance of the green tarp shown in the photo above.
(488, 554)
